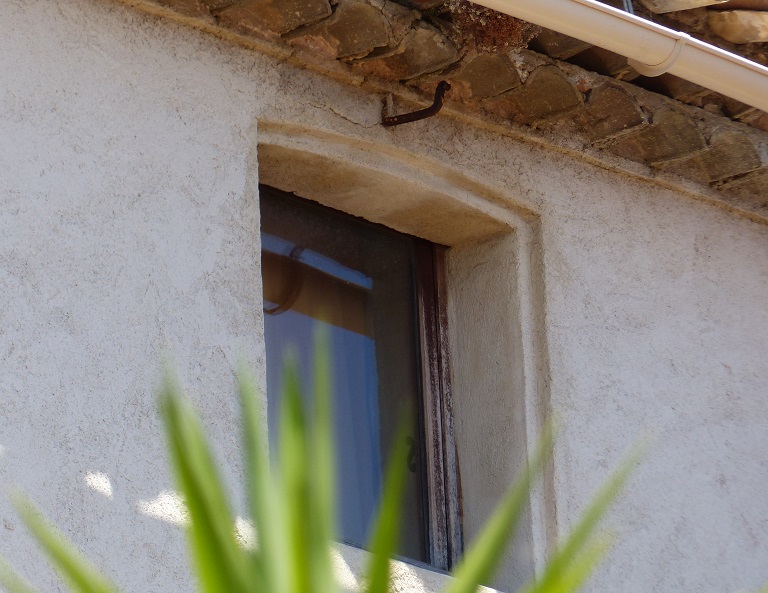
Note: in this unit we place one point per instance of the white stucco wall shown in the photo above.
(129, 227)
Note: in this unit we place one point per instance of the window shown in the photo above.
(379, 292)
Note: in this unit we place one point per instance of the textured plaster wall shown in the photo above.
(659, 329)
(129, 226)
(128, 229)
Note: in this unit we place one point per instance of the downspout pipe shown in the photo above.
(650, 48)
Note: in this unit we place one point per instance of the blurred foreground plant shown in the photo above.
(292, 509)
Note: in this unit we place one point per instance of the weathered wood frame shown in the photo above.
(442, 473)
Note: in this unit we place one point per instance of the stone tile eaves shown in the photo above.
(560, 105)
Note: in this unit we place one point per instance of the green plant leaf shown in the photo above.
(78, 574)
(387, 526)
(321, 457)
(294, 509)
(582, 566)
(569, 552)
(218, 558)
(270, 559)
(11, 581)
(481, 560)
(294, 477)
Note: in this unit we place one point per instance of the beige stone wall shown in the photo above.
(130, 152)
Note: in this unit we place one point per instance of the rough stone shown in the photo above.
(546, 94)
(740, 26)
(690, 168)
(741, 5)
(193, 8)
(731, 108)
(730, 154)
(400, 18)
(673, 86)
(424, 4)
(279, 16)
(604, 62)
(216, 5)
(424, 50)
(736, 109)
(556, 45)
(749, 191)
(760, 122)
(672, 135)
(610, 111)
(661, 6)
(315, 49)
(354, 30)
(486, 75)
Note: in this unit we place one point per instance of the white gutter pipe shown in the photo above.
(651, 49)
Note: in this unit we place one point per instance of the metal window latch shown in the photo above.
(395, 120)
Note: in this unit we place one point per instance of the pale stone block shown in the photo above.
(740, 26)
(661, 6)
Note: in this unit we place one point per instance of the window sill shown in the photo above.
(350, 564)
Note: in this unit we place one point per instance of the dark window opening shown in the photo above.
(376, 291)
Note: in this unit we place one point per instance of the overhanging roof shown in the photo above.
(512, 74)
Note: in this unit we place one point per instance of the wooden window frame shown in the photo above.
(442, 512)
(444, 524)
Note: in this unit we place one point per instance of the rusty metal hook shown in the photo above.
(395, 120)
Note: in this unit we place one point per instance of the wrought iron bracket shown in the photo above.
(395, 120)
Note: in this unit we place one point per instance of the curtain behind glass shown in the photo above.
(356, 279)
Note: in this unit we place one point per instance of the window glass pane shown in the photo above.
(359, 279)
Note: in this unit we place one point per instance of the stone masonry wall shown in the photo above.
(362, 40)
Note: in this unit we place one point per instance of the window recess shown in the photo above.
(382, 297)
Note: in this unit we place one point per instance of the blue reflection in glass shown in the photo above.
(356, 410)
(279, 246)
